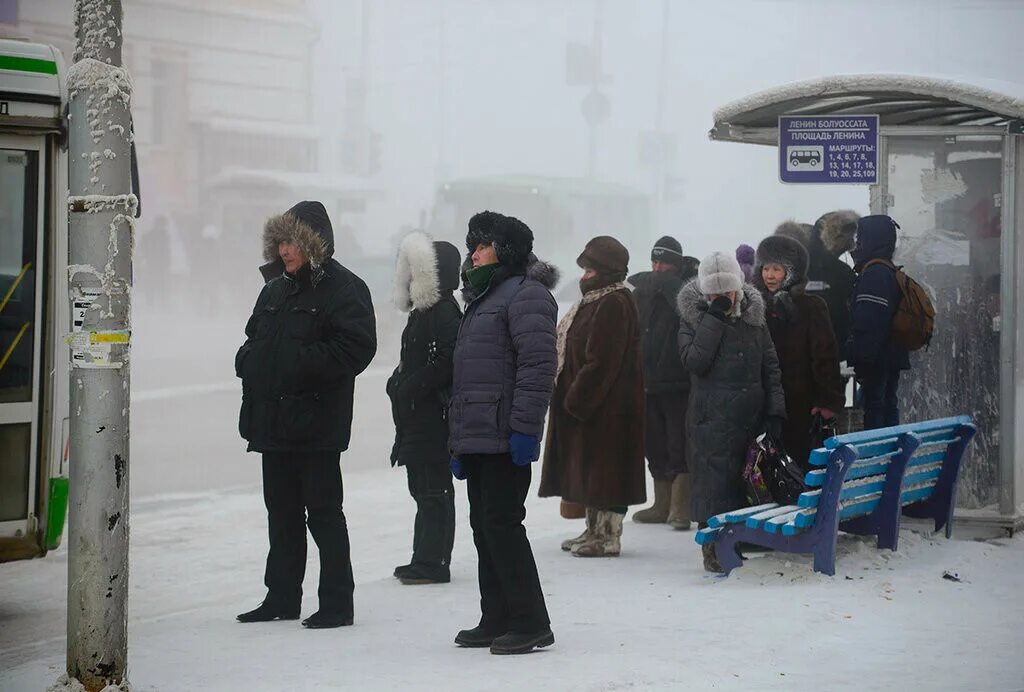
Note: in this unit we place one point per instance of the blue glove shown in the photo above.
(456, 468)
(525, 449)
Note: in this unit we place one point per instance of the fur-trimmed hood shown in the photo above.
(691, 302)
(538, 270)
(425, 270)
(307, 226)
(800, 232)
(836, 230)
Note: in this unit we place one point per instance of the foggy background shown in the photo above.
(385, 109)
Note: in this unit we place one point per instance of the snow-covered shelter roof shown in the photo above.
(899, 100)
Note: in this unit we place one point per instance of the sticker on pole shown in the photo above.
(839, 149)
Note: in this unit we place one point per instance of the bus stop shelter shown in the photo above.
(950, 173)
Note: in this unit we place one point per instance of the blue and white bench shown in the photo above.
(868, 480)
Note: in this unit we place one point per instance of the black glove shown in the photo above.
(773, 427)
(720, 307)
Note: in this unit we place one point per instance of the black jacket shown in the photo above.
(309, 336)
(420, 386)
(656, 294)
(832, 280)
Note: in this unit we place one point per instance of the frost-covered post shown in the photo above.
(101, 213)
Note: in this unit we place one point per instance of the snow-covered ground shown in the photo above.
(651, 619)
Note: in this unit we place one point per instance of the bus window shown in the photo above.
(19, 194)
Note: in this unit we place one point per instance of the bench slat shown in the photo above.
(707, 535)
(923, 428)
(737, 516)
(775, 524)
(756, 520)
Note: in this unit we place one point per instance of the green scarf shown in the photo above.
(480, 277)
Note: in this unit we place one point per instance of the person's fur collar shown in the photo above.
(692, 302)
(415, 285)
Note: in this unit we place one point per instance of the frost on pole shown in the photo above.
(101, 216)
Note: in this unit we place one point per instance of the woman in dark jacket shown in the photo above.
(736, 391)
(425, 277)
(595, 443)
(803, 338)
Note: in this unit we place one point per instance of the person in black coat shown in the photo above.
(828, 277)
(419, 389)
(666, 381)
(876, 357)
(311, 333)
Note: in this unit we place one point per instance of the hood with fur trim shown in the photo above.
(691, 302)
(424, 270)
(307, 226)
(780, 249)
(836, 230)
(800, 232)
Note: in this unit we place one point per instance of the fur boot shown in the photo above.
(679, 509)
(658, 512)
(606, 540)
(588, 532)
(711, 563)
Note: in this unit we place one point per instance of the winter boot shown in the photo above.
(522, 643)
(607, 538)
(425, 574)
(711, 563)
(401, 570)
(476, 638)
(679, 508)
(658, 512)
(321, 620)
(268, 611)
(570, 543)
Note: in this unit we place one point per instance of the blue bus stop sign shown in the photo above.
(828, 149)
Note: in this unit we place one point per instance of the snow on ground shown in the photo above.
(651, 619)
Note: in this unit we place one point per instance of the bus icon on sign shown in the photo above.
(805, 158)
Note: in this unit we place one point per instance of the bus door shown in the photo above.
(22, 217)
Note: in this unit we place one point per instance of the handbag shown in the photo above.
(771, 475)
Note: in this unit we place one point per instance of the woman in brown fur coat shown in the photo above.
(595, 443)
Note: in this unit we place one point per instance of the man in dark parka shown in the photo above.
(666, 381)
(426, 274)
(311, 333)
(736, 390)
(594, 453)
(828, 277)
(504, 372)
(803, 338)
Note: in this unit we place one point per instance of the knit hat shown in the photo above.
(719, 273)
(745, 256)
(669, 251)
(605, 255)
(512, 239)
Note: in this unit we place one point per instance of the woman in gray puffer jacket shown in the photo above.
(736, 390)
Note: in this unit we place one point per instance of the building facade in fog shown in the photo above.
(224, 122)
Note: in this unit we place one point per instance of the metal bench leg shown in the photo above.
(725, 550)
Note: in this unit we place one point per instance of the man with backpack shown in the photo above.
(890, 316)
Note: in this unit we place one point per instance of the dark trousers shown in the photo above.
(303, 490)
(879, 396)
(665, 434)
(511, 599)
(430, 485)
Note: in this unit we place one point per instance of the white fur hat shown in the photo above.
(719, 273)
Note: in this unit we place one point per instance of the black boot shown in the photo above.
(401, 570)
(321, 620)
(520, 643)
(425, 574)
(476, 638)
(270, 611)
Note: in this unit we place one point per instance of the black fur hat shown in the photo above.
(780, 249)
(512, 239)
